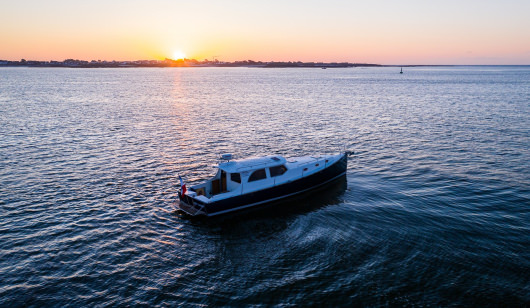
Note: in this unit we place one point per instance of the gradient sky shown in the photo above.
(378, 31)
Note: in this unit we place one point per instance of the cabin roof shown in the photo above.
(252, 163)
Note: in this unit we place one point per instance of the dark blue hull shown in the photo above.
(272, 194)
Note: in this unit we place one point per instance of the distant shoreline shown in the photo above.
(71, 63)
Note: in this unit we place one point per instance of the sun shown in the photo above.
(179, 55)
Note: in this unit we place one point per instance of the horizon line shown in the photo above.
(207, 61)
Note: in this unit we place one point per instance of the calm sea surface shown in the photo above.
(434, 211)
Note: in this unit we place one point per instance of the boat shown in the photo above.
(252, 182)
(401, 72)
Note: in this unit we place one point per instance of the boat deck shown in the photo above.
(189, 209)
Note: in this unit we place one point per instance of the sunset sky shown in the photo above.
(379, 31)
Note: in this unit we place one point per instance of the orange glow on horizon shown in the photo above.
(382, 32)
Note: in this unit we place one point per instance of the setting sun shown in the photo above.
(178, 55)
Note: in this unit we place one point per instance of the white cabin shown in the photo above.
(252, 174)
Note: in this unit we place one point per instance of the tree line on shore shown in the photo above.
(175, 63)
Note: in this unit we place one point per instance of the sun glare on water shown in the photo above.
(179, 55)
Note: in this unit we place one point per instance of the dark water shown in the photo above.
(434, 211)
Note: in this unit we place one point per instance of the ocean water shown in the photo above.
(434, 210)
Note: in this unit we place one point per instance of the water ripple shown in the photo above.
(433, 211)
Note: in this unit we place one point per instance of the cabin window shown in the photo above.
(235, 177)
(257, 175)
(277, 170)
